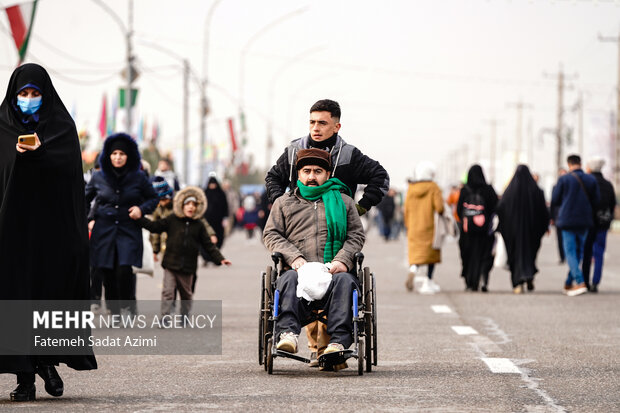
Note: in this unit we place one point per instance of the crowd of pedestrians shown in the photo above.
(122, 200)
(581, 208)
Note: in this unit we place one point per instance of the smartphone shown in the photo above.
(27, 139)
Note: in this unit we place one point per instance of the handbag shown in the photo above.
(148, 263)
(442, 229)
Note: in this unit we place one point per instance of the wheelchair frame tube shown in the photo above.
(276, 304)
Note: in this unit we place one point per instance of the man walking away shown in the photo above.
(603, 216)
(574, 194)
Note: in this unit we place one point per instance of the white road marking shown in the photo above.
(501, 365)
(441, 309)
(464, 330)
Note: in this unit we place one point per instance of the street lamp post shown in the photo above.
(244, 51)
(187, 73)
(204, 103)
(127, 32)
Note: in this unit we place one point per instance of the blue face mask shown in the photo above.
(29, 106)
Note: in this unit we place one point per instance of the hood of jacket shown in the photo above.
(133, 157)
(420, 189)
(188, 191)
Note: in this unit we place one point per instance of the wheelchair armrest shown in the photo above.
(277, 257)
(359, 258)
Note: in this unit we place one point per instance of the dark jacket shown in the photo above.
(575, 207)
(114, 231)
(350, 165)
(607, 202)
(185, 235)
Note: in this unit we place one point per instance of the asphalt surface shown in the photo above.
(559, 353)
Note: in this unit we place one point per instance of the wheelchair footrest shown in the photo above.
(335, 361)
(286, 354)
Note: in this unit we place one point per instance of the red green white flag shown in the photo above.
(21, 18)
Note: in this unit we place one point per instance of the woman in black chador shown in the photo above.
(217, 209)
(476, 208)
(43, 232)
(523, 220)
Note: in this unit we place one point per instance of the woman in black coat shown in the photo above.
(43, 234)
(217, 209)
(523, 220)
(123, 192)
(476, 208)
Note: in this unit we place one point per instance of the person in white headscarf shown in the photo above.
(423, 200)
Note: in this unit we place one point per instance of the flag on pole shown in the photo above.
(112, 117)
(155, 132)
(21, 18)
(233, 141)
(103, 120)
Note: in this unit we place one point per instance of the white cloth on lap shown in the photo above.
(313, 279)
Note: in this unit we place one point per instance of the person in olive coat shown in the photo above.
(123, 193)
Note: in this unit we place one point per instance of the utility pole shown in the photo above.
(616, 39)
(519, 138)
(580, 131)
(560, 119)
(186, 121)
(492, 149)
(130, 73)
(204, 103)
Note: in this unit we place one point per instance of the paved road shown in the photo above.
(554, 353)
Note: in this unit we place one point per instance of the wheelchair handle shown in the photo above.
(359, 258)
(276, 257)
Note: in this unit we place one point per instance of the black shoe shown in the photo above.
(53, 383)
(484, 289)
(24, 393)
(594, 288)
(530, 285)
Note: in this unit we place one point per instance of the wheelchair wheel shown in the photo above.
(265, 313)
(360, 357)
(261, 323)
(368, 327)
(269, 358)
(374, 320)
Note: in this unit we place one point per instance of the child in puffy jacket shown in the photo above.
(186, 233)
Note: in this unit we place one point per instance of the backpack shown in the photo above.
(474, 218)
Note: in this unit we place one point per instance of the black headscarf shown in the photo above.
(475, 177)
(523, 220)
(43, 233)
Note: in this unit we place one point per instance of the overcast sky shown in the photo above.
(416, 80)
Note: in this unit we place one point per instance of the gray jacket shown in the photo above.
(297, 228)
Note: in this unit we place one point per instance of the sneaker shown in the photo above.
(426, 288)
(518, 289)
(566, 288)
(594, 288)
(409, 282)
(288, 342)
(314, 360)
(434, 286)
(333, 347)
(577, 290)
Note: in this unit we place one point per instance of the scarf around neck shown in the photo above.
(335, 212)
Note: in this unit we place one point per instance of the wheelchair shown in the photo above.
(364, 319)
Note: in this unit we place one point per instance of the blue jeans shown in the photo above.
(598, 251)
(574, 241)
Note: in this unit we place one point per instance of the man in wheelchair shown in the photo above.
(316, 222)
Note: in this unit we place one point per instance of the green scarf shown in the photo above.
(335, 212)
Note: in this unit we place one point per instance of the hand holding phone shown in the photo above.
(27, 139)
(27, 143)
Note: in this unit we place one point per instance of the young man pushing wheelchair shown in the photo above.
(316, 222)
